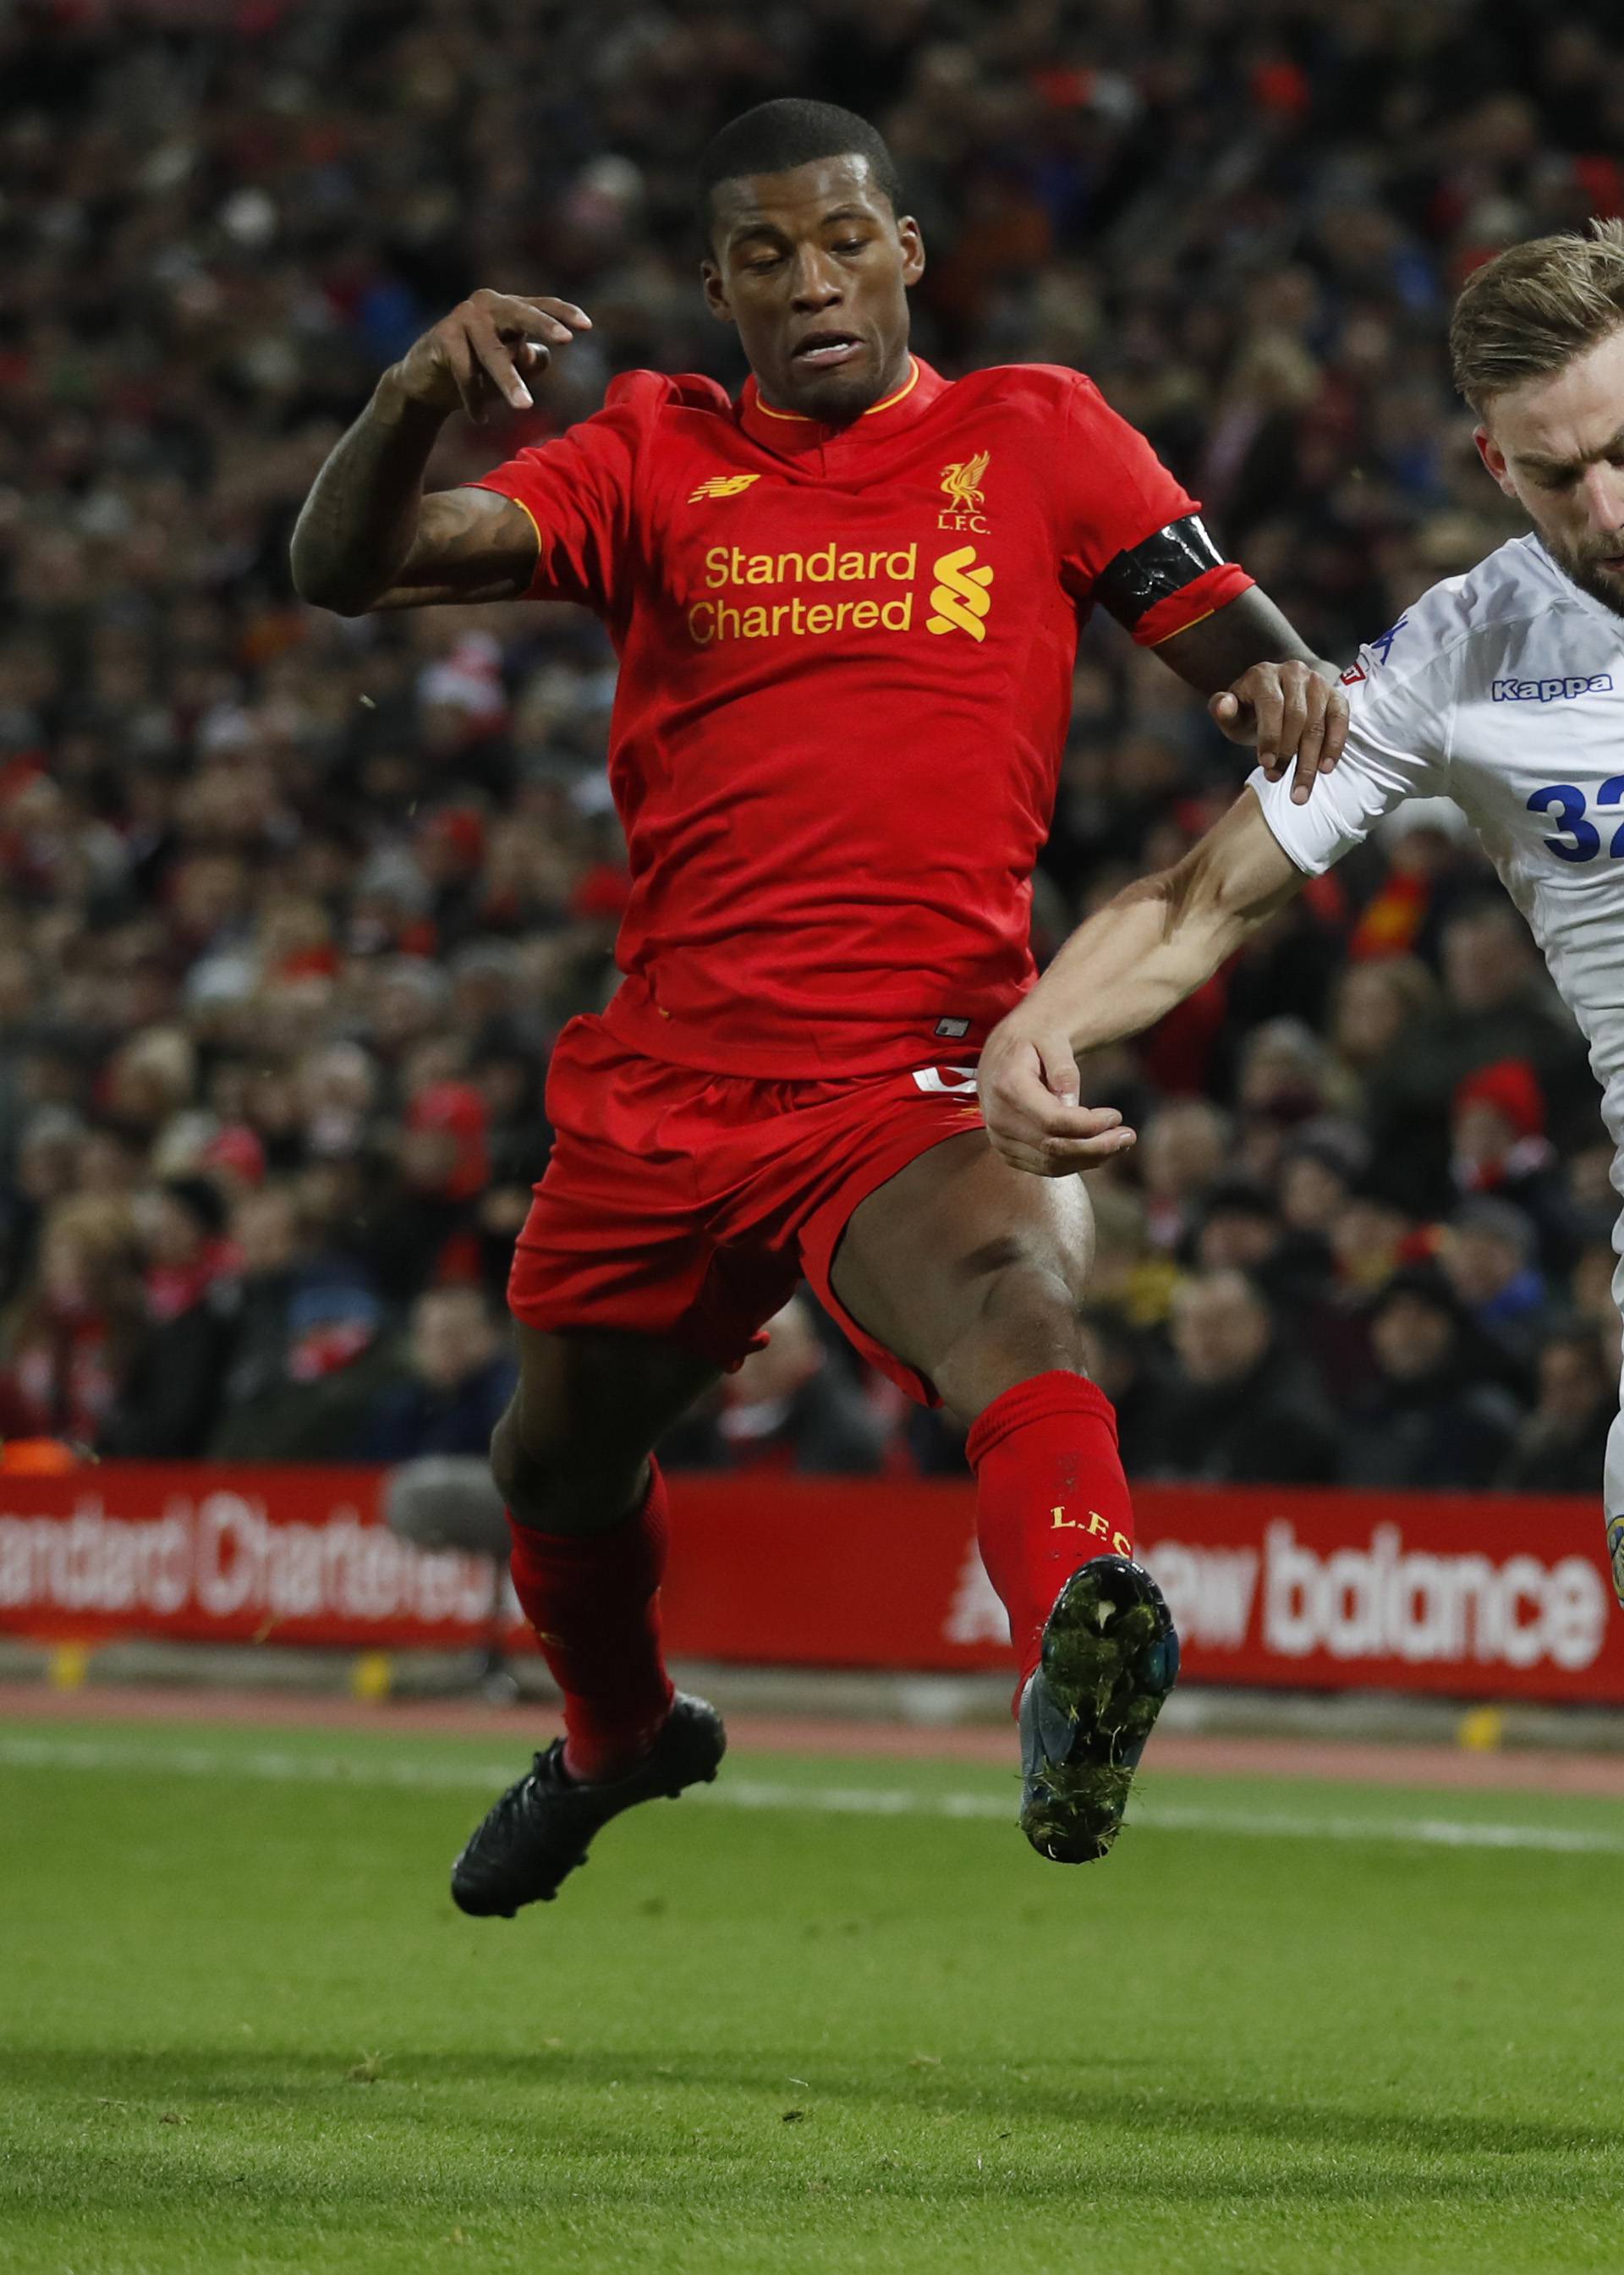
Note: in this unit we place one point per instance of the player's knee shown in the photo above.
(556, 1484)
(1020, 1319)
(1033, 1297)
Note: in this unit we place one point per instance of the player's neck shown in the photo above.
(900, 382)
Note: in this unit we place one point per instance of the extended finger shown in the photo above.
(496, 361)
(562, 312)
(555, 322)
(1292, 719)
(1035, 1112)
(1269, 704)
(1338, 718)
(1310, 743)
(464, 370)
(1063, 1154)
(1063, 1159)
(1020, 1157)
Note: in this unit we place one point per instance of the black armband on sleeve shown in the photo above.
(1159, 566)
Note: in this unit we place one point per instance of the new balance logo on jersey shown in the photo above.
(959, 596)
(1551, 691)
(720, 486)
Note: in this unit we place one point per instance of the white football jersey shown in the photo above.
(1504, 691)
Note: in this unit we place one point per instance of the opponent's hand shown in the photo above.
(1029, 1088)
(1289, 711)
(485, 350)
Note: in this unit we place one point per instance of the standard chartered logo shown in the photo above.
(960, 596)
(751, 596)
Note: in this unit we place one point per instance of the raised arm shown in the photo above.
(1144, 952)
(367, 537)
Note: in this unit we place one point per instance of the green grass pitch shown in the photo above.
(845, 2022)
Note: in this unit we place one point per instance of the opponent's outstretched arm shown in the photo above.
(1144, 952)
(367, 537)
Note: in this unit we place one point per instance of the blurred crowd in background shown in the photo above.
(292, 907)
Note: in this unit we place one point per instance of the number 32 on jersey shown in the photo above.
(1566, 805)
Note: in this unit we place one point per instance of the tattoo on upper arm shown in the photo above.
(471, 545)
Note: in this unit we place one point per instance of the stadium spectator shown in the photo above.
(1183, 1154)
(1488, 1255)
(1500, 1012)
(1236, 1406)
(1429, 1418)
(1319, 1169)
(76, 1333)
(1561, 1445)
(459, 1374)
(1242, 1230)
(790, 1406)
(169, 1396)
(1122, 1359)
(302, 1327)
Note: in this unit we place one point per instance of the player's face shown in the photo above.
(1557, 446)
(813, 268)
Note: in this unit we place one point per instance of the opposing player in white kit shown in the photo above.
(1502, 690)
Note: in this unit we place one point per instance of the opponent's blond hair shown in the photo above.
(1533, 307)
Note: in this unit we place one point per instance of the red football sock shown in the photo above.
(1050, 1495)
(593, 1600)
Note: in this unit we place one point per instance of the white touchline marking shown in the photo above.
(274, 1766)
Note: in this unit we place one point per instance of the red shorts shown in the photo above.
(687, 1206)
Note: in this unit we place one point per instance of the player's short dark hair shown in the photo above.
(791, 131)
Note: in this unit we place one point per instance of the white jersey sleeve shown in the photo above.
(1401, 697)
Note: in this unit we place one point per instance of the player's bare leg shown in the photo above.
(574, 1458)
(970, 1271)
(973, 1273)
(571, 1453)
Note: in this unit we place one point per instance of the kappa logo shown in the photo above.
(720, 486)
(959, 596)
(1557, 690)
(962, 481)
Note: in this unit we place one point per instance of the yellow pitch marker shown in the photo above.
(1483, 1730)
(373, 1675)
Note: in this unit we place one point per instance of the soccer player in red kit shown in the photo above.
(846, 607)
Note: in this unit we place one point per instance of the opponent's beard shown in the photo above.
(1584, 569)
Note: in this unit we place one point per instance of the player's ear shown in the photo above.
(913, 249)
(1494, 458)
(715, 293)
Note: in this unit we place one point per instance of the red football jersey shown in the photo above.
(846, 658)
